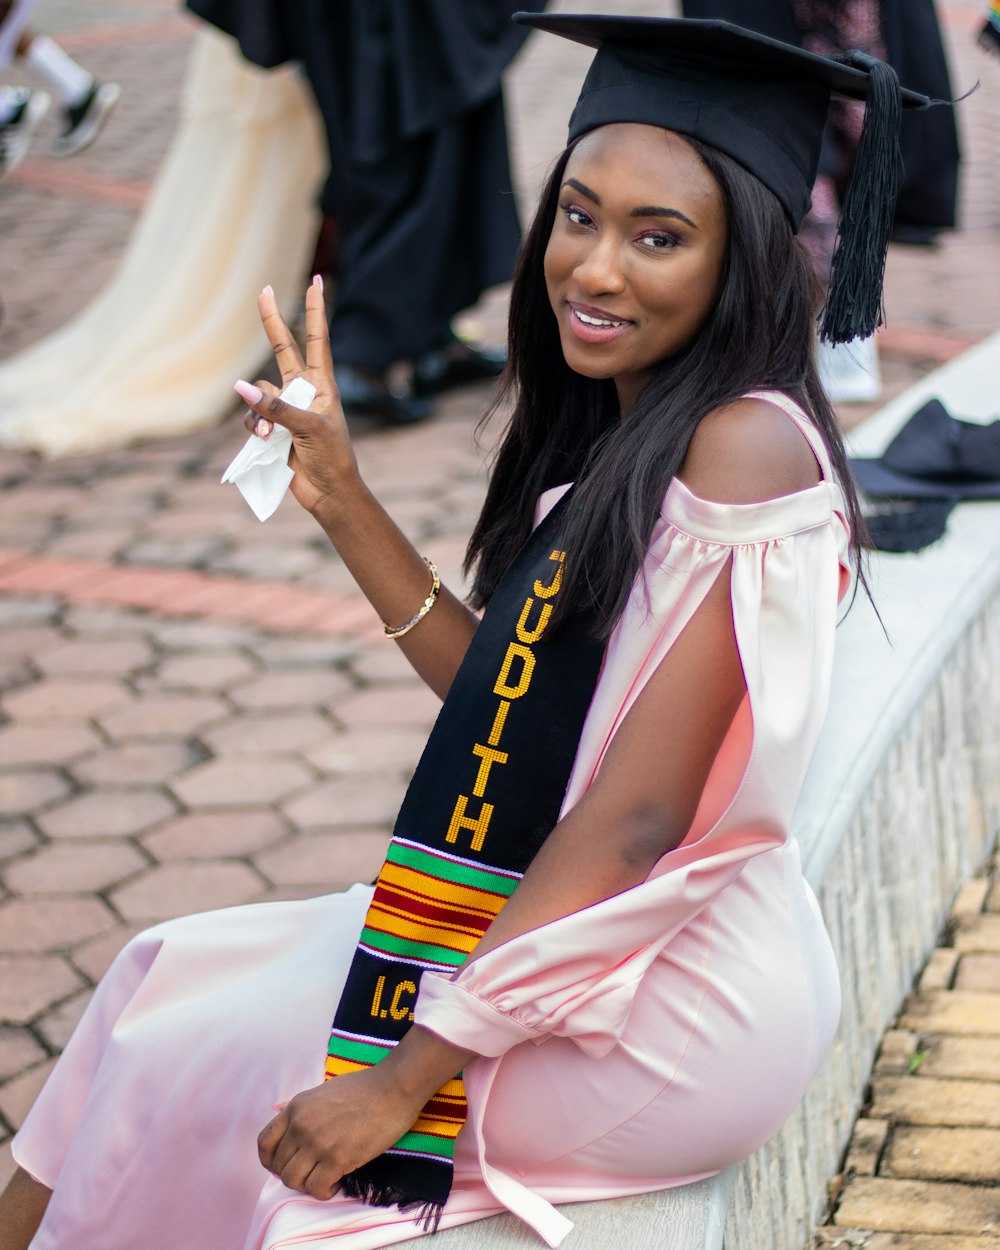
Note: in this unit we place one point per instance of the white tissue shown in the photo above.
(260, 471)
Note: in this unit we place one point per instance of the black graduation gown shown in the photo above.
(411, 97)
(928, 138)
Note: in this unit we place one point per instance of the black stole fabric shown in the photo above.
(486, 793)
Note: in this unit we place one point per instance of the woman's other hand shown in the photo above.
(326, 1132)
(322, 457)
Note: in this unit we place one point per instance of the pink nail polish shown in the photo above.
(277, 1106)
(263, 429)
(268, 290)
(318, 280)
(246, 390)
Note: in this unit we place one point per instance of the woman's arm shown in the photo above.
(639, 806)
(327, 483)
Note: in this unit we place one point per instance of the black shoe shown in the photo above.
(363, 398)
(455, 364)
(83, 121)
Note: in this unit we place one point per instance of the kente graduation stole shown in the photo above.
(484, 797)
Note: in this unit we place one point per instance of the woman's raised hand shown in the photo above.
(326, 482)
(322, 457)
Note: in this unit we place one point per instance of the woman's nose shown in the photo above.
(599, 271)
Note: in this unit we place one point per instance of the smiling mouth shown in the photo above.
(594, 327)
(596, 321)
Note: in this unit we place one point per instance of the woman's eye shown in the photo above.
(577, 216)
(656, 241)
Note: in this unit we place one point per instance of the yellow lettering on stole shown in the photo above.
(548, 592)
(503, 687)
(489, 758)
(395, 1010)
(498, 723)
(507, 690)
(478, 825)
(528, 636)
(377, 1009)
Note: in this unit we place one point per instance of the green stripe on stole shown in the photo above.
(411, 949)
(426, 1143)
(449, 870)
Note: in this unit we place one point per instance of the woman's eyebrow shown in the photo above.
(645, 210)
(653, 210)
(583, 189)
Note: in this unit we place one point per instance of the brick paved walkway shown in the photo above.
(194, 707)
(923, 1168)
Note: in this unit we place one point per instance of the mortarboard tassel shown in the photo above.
(854, 304)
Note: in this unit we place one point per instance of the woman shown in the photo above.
(646, 687)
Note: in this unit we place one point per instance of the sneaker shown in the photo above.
(850, 372)
(82, 122)
(17, 130)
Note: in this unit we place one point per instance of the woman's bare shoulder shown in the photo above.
(746, 452)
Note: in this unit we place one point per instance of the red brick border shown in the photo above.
(125, 33)
(169, 592)
(45, 177)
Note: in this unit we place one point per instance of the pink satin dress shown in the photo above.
(645, 1042)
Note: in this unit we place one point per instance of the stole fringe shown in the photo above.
(381, 1194)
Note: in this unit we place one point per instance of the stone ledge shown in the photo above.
(899, 806)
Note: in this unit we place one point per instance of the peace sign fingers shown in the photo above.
(317, 331)
(286, 351)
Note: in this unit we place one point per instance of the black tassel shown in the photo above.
(854, 304)
(381, 1194)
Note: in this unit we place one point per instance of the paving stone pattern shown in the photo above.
(922, 1171)
(196, 710)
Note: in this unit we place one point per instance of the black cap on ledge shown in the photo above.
(764, 104)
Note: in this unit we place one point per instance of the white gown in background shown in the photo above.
(232, 209)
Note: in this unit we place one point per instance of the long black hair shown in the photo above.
(760, 335)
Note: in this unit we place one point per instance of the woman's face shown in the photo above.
(635, 257)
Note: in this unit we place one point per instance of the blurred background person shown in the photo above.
(84, 102)
(232, 208)
(907, 34)
(419, 191)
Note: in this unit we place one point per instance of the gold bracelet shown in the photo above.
(397, 631)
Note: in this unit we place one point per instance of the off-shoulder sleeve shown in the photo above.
(786, 560)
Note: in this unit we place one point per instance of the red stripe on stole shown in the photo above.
(435, 896)
(444, 1110)
(430, 911)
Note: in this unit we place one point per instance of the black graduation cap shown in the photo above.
(935, 456)
(764, 103)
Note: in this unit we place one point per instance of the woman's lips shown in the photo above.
(594, 326)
